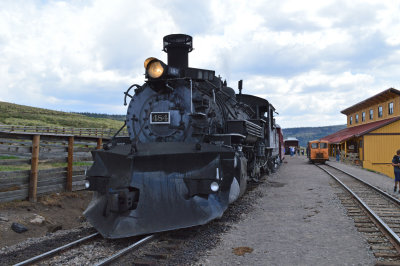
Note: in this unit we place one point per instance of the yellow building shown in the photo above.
(372, 136)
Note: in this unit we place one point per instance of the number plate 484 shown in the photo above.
(160, 118)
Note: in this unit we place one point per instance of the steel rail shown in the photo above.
(377, 220)
(395, 200)
(56, 250)
(125, 250)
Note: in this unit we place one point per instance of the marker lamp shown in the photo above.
(214, 186)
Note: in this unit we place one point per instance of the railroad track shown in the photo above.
(85, 244)
(375, 213)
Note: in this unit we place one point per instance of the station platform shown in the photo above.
(299, 220)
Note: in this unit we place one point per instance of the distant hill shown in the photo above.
(305, 134)
(15, 114)
(114, 117)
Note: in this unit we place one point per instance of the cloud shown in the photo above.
(310, 59)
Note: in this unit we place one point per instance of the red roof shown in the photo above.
(357, 131)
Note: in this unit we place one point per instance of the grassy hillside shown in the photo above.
(305, 134)
(96, 115)
(14, 114)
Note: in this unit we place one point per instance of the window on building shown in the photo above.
(356, 118)
(363, 117)
(391, 108)
(351, 120)
(371, 114)
(380, 111)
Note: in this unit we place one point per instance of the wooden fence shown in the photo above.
(97, 132)
(36, 163)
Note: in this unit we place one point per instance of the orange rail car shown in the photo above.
(317, 151)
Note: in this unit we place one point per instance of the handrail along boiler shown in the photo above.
(193, 144)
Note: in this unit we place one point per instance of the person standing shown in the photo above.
(396, 165)
(337, 154)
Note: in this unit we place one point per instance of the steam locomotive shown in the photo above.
(193, 145)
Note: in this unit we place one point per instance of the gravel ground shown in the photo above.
(298, 221)
(185, 246)
(35, 246)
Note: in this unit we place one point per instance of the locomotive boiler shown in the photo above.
(193, 145)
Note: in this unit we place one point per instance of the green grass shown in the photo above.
(14, 114)
(8, 157)
(55, 165)
(4, 168)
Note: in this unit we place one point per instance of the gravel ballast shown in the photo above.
(298, 221)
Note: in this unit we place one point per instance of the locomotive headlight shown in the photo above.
(154, 67)
(87, 184)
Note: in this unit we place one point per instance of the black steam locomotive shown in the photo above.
(193, 144)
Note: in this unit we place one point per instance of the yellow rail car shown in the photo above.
(317, 151)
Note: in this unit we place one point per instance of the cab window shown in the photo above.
(314, 145)
(323, 145)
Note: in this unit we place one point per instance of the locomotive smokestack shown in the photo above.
(178, 46)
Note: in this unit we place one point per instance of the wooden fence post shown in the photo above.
(99, 143)
(34, 168)
(70, 160)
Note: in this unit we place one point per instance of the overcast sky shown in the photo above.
(310, 59)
